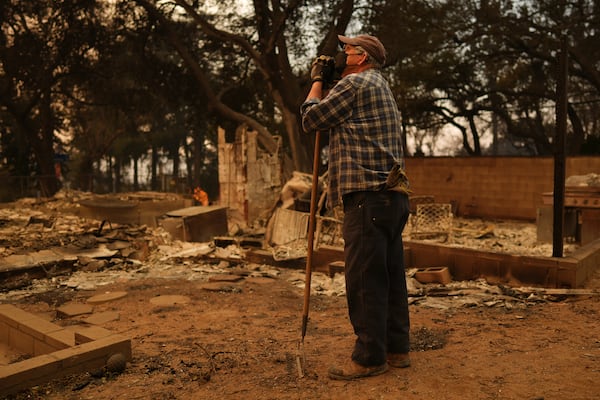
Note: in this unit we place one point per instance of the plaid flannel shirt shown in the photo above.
(363, 121)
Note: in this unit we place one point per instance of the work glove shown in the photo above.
(322, 69)
(397, 180)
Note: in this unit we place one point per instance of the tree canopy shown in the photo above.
(116, 84)
(489, 68)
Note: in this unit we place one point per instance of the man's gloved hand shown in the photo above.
(397, 180)
(322, 69)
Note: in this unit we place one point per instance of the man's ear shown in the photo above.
(363, 58)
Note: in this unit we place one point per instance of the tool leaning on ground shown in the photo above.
(309, 256)
(322, 69)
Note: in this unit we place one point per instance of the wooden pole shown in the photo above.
(559, 150)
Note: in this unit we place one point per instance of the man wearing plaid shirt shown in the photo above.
(366, 176)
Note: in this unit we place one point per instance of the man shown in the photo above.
(366, 176)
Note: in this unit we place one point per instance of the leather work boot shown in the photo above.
(352, 370)
(399, 360)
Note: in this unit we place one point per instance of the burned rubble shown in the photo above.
(57, 262)
(47, 246)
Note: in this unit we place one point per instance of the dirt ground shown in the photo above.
(242, 343)
(233, 331)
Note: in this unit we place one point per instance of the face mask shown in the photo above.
(340, 62)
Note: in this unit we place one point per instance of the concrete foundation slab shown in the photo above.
(73, 309)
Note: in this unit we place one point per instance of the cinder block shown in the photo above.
(89, 333)
(433, 275)
(37, 327)
(490, 264)
(60, 339)
(538, 271)
(4, 332)
(13, 315)
(20, 375)
(20, 341)
(90, 352)
(41, 348)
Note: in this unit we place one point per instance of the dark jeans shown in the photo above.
(375, 276)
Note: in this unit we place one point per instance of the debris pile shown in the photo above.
(51, 246)
(511, 237)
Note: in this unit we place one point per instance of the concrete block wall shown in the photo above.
(513, 270)
(491, 187)
(30, 334)
(54, 351)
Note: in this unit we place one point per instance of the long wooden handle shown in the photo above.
(311, 233)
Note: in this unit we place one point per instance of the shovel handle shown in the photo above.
(311, 233)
